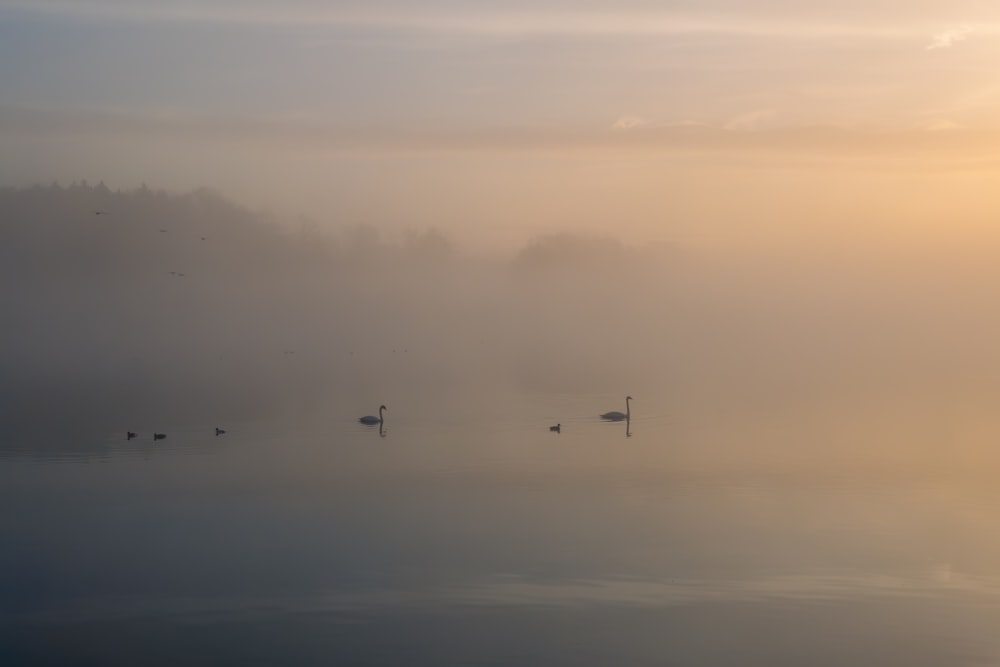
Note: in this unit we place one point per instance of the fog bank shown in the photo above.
(132, 309)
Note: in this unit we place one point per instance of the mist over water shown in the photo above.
(807, 471)
(185, 309)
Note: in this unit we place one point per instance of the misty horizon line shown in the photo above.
(552, 249)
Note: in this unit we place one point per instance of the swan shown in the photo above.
(159, 436)
(219, 431)
(129, 435)
(370, 420)
(615, 416)
(557, 428)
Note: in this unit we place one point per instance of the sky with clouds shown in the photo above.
(326, 105)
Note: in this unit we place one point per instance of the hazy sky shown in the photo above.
(669, 120)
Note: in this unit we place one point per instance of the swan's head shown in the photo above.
(629, 398)
(382, 407)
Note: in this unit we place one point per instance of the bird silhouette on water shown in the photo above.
(159, 436)
(219, 431)
(129, 435)
(371, 420)
(556, 429)
(615, 416)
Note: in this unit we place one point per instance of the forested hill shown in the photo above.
(85, 232)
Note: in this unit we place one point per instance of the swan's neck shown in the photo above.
(628, 411)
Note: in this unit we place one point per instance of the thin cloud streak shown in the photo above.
(627, 135)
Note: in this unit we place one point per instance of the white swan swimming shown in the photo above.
(371, 420)
(615, 416)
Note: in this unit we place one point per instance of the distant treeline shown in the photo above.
(89, 231)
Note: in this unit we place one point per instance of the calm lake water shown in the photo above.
(472, 535)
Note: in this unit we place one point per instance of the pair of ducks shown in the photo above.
(156, 436)
(160, 436)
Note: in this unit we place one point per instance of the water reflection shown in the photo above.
(465, 538)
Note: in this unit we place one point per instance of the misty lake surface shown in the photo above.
(472, 535)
